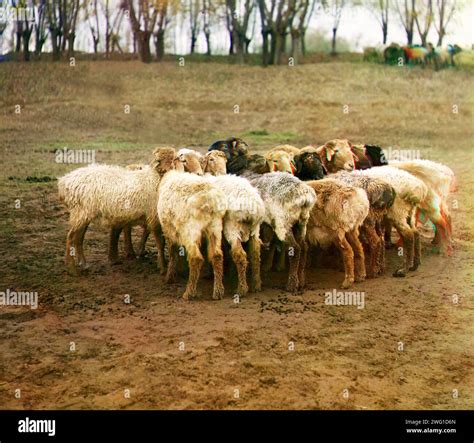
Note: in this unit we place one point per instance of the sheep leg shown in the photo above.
(280, 266)
(70, 249)
(302, 264)
(373, 247)
(195, 261)
(359, 257)
(294, 251)
(113, 245)
(80, 234)
(348, 259)
(239, 257)
(127, 238)
(160, 256)
(417, 250)
(407, 235)
(254, 256)
(171, 271)
(380, 230)
(388, 233)
(141, 248)
(215, 256)
(268, 261)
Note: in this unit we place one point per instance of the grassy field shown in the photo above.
(44, 107)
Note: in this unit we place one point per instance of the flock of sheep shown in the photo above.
(286, 200)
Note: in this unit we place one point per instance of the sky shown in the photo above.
(358, 26)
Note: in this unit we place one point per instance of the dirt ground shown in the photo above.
(411, 347)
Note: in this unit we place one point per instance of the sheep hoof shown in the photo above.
(242, 291)
(292, 286)
(360, 278)
(399, 273)
(416, 263)
(257, 287)
(347, 283)
(218, 295)
(187, 295)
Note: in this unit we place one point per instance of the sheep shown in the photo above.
(439, 180)
(118, 196)
(367, 156)
(191, 162)
(410, 193)
(336, 218)
(289, 149)
(239, 160)
(308, 165)
(280, 160)
(191, 208)
(336, 155)
(288, 203)
(381, 196)
(245, 212)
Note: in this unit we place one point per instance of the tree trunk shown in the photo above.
(18, 42)
(70, 44)
(143, 38)
(303, 41)
(160, 44)
(279, 48)
(55, 43)
(208, 42)
(385, 33)
(96, 45)
(409, 37)
(295, 46)
(440, 38)
(333, 43)
(26, 44)
(265, 48)
(273, 44)
(231, 46)
(193, 42)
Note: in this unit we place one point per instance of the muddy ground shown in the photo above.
(410, 347)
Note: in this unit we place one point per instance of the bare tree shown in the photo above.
(55, 23)
(113, 19)
(194, 21)
(407, 13)
(143, 16)
(444, 11)
(335, 8)
(207, 11)
(424, 18)
(69, 11)
(238, 14)
(91, 8)
(40, 26)
(298, 24)
(162, 23)
(381, 10)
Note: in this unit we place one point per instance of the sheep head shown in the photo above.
(280, 161)
(190, 161)
(309, 166)
(214, 163)
(337, 155)
(232, 147)
(163, 160)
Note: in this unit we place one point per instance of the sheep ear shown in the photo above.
(329, 153)
(204, 160)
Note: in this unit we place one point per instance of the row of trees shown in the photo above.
(283, 23)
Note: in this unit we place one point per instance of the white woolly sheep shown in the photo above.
(440, 180)
(245, 212)
(117, 196)
(190, 208)
(336, 218)
(410, 193)
(288, 202)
